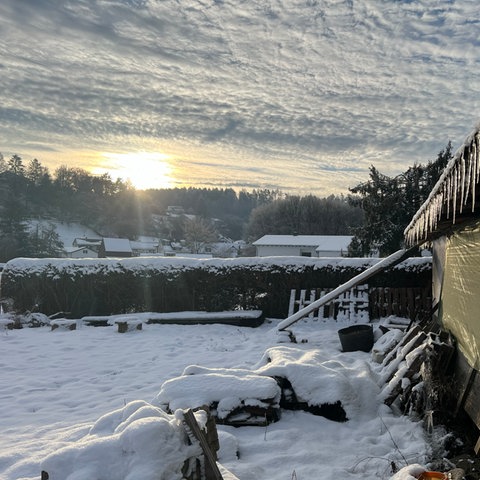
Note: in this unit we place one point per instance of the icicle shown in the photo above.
(449, 194)
(468, 175)
(454, 191)
(475, 171)
(462, 180)
(477, 150)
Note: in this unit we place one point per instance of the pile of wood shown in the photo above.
(413, 371)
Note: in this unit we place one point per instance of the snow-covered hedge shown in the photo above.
(111, 286)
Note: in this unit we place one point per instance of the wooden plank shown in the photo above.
(464, 375)
(472, 403)
(291, 303)
(301, 302)
(311, 300)
(407, 337)
(211, 468)
(403, 352)
(396, 388)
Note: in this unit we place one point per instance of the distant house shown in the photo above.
(175, 210)
(88, 243)
(115, 247)
(80, 252)
(449, 221)
(302, 245)
(144, 248)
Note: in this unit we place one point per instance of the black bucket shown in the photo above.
(356, 337)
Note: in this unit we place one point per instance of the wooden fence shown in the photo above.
(362, 302)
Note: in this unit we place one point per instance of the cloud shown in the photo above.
(271, 90)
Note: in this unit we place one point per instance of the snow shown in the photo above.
(173, 265)
(229, 390)
(66, 231)
(84, 404)
(323, 242)
(117, 245)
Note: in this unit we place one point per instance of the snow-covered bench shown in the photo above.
(127, 324)
(239, 318)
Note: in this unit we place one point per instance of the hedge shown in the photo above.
(83, 287)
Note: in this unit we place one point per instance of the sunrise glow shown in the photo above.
(143, 169)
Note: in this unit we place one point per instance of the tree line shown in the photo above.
(375, 212)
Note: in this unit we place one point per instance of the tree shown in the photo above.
(14, 240)
(3, 163)
(36, 172)
(15, 165)
(198, 232)
(390, 203)
(379, 199)
(45, 241)
(307, 215)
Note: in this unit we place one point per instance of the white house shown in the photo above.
(302, 245)
(115, 247)
(141, 247)
(80, 252)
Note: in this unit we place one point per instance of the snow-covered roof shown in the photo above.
(94, 242)
(453, 194)
(138, 245)
(320, 242)
(117, 245)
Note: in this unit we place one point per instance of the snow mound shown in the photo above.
(313, 377)
(137, 442)
(224, 392)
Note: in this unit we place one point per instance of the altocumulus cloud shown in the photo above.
(303, 95)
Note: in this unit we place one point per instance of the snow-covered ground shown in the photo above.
(67, 232)
(54, 385)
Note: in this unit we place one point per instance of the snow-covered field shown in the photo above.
(54, 385)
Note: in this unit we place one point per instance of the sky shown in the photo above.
(299, 95)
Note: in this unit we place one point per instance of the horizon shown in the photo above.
(299, 97)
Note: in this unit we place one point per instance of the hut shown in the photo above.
(449, 221)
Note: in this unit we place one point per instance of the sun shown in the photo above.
(143, 169)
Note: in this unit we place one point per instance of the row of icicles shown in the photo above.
(454, 188)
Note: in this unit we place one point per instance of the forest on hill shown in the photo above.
(115, 208)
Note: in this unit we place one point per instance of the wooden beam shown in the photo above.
(211, 469)
(477, 446)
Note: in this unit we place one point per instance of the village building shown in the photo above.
(88, 242)
(115, 247)
(80, 252)
(302, 245)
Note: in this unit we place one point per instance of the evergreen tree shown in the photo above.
(3, 163)
(15, 165)
(308, 215)
(390, 203)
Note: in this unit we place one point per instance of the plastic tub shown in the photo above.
(432, 475)
(356, 337)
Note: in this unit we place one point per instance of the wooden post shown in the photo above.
(211, 469)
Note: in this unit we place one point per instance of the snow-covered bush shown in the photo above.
(81, 287)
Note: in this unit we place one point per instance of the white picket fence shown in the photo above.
(351, 305)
